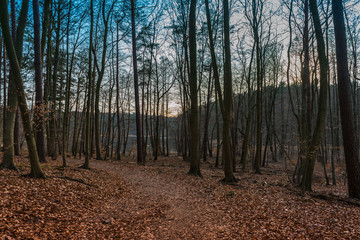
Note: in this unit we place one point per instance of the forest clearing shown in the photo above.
(122, 200)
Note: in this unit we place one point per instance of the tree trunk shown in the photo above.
(86, 164)
(4, 93)
(74, 144)
(16, 126)
(312, 152)
(39, 104)
(10, 110)
(346, 108)
(118, 156)
(140, 158)
(228, 168)
(52, 150)
(207, 119)
(36, 170)
(194, 112)
(259, 130)
(17, 143)
(305, 114)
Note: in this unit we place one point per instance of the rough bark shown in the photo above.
(345, 101)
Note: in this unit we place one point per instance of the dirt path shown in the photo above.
(163, 202)
(187, 208)
(121, 200)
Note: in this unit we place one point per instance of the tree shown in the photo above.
(228, 168)
(36, 170)
(140, 158)
(10, 110)
(53, 130)
(101, 72)
(39, 105)
(245, 145)
(312, 152)
(86, 164)
(194, 112)
(257, 9)
(118, 146)
(346, 108)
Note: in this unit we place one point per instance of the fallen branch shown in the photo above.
(75, 180)
(330, 197)
(324, 196)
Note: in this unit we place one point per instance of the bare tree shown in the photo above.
(140, 158)
(39, 106)
(228, 168)
(312, 152)
(346, 108)
(194, 112)
(86, 164)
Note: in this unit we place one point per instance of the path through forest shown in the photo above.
(121, 200)
(187, 207)
(260, 206)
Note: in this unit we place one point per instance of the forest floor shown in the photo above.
(121, 200)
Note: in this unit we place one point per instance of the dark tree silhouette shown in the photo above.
(346, 107)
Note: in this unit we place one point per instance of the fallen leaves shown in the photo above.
(160, 201)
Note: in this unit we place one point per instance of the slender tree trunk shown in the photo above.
(140, 158)
(74, 144)
(217, 122)
(228, 168)
(17, 144)
(207, 119)
(259, 130)
(1, 54)
(67, 93)
(194, 112)
(309, 165)
(16, 125)
(213, 58)
(305, 113)
(47, 83)
(99, 81)
(118, 155)
(246, 142)
(45, 24)
(109, 123)
(52, 150)
(86, 164)
(39, 104)
(5, 96)
(167, 125)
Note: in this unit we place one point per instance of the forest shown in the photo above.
(179, 119)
